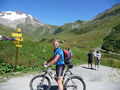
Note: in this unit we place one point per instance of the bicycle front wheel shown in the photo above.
(74, 83)
(40, 82)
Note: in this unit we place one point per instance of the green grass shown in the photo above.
(33, 54)
(111, 62)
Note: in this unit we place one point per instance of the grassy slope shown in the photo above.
(5, 31)
(112, 41)
(94, 37)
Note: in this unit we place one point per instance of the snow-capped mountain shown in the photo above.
(12, 15)
(17, 18)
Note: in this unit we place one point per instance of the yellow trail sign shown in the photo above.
(16, 35)
(18, 45)
(19, 39)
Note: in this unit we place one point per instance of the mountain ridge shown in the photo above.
(19, 19)
(86, 33)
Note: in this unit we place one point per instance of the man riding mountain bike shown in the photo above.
(58, 60)
(65, 81)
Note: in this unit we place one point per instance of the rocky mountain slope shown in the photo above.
(13, 19)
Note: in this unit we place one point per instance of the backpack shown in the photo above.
(67, 56)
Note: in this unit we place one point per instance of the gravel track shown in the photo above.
(106, 78)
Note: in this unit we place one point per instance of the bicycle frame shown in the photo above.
(67, 77)
(49, 73)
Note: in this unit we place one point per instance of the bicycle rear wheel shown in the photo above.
(74, 83)
(40, 82)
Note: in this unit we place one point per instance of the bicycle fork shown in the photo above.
(73, 84)
(42, 81)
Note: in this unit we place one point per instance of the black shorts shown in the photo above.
(59, 70)
(89, 60)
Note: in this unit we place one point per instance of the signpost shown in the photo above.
(17, 42)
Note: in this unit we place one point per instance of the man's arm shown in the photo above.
(53, 61)
(50, 59)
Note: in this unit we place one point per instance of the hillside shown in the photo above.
(89, 33)
(112, 41)
(5, 31)
(32, 28)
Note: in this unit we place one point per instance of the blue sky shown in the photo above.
(58, 12)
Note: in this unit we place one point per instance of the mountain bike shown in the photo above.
(70, 81)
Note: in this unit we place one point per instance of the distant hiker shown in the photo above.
(97, 55)
(90, 59)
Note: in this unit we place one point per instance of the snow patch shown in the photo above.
(13, 16)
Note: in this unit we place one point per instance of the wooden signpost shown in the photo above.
(17, 42)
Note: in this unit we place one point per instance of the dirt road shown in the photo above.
(105, 78)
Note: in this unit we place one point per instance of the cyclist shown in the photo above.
(58, 60)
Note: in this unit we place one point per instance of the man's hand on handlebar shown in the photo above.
(45, 64)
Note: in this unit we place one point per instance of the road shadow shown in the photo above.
(54, 88)
(45, 87)
(88, 68)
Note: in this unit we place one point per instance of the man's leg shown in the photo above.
(59, 81)
(59, 73)
(95, 64)
(91, 65)
(98, 63)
